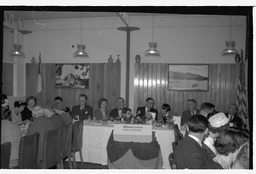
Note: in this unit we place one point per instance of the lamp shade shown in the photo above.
(81, 51)
(230, 48)
(17, 51)
(152, 51)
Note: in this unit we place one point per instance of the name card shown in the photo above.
(133, 133)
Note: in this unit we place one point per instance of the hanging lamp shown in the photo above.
(152, 51)
(81, 47)
(230, 45)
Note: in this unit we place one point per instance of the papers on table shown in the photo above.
(177, 120)
(153, 115)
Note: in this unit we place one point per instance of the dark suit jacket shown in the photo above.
(189, 154)
(114, 112)
(66, 117)
(57, 121)
(40, 125)
(211, 165)
(208, 152)
(26, 114)
(237, 121)
(186, 115)
(163, 119)
(141, 112)
(84, 113)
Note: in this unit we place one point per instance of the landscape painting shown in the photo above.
(72, 76)
(188, 77)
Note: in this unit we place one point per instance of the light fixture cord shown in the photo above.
(153, 27)
(230, 28)
(81, 28)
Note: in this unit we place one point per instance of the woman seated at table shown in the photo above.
(16, 111)
(127, 116)
(102, 113)
(166, 115)
(26, 114)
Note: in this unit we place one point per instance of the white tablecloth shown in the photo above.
(95, 139)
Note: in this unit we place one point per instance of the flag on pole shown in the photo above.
(40, 79)
(241, 92)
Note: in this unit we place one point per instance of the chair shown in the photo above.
(66, 143)
(28, 151)
(77, 142)
(5, 155)
(177, 135)
(172, 161)
(51, 152)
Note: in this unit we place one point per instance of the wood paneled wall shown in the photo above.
(151, 80)
(7, 79)
(104, 82)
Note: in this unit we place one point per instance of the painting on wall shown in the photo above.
(72, 76)
(188, 77)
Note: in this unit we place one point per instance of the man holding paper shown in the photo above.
(145, 112)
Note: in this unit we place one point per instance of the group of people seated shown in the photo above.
(198, 122)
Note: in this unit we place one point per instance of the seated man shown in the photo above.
(83, 111)
(206, 109)
(217, 123)
(166, 115)
(141, 112)
(227, 145)
(57, 100)
(59, 109)
(55, 118)
(235, 120)
(10, 132)
(116, 113)
(189, 153)
(40, 124)
(192, 110)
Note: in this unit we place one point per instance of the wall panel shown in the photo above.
(222, 87)
(104, 82)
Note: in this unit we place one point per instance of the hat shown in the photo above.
(37, 111)
(218, 120)
(59, 106)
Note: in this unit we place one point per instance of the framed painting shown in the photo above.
(72, 76)
(188, 77)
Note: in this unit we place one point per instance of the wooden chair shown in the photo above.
(66, 143)
(28, 152)
(51, 152)
(77, 142)
(177, 135)
(5, 155)
(172, 161)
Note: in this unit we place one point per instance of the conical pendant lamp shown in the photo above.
(81, 47)
(152, 51)
(230, 45)
(17, 47)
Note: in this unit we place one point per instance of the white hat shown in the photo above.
(218, 120)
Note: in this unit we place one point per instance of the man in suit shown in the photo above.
(142, 112)
(234, 119)
(217, 123)
(59, 109)
(40, 124)
(192, 110)
(189, 152)
(55, 118)
(116, 113)
(83, 111)
(59, 99)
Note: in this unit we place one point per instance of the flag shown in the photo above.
(39, 79)
(241, 93)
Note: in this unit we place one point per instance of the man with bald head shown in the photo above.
(40, 124)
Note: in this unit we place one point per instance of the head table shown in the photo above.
(96, 136)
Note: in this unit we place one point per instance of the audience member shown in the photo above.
(127, 116)
(235, 120)
(146, 111)
(56, 119)
(26, 114)
(207, 108)
(189, 152)
(40, 124)
(217, 123)
(59, 109)
(116, 113)
(102, 113)
(227, 145)
(82, 111)
(16, 111)
(192, 110)
(59, 99)
(242, 159)
(166, 115)
(11, 132)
